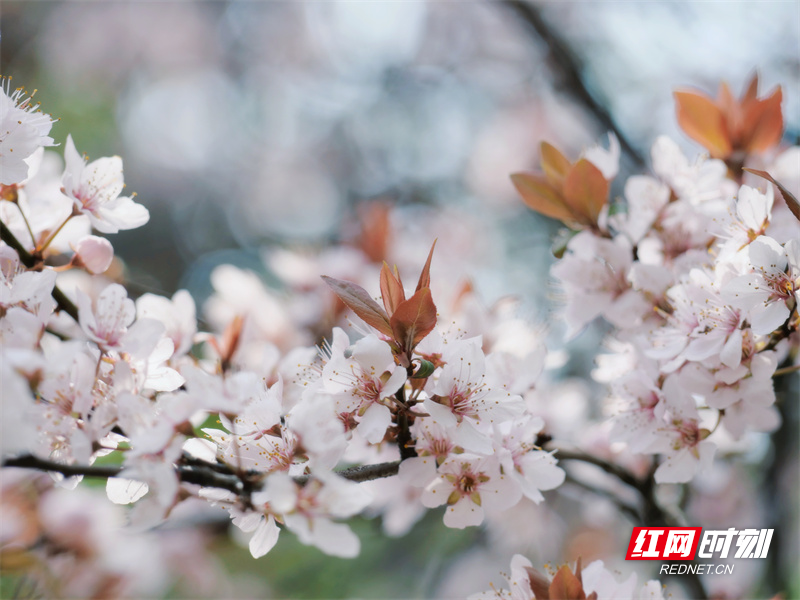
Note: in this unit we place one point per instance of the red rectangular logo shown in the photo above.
(663, 543)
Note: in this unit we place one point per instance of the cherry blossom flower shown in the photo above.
(469, 485)
(95, 191)
(178, 315)
(23, 130)
(681, 438)
(766, 293)
(308, 510)
(110, 323)
(533, 469)
(362, 383)
(27, 289)
(461, 399)
(94, 254)
(603, 583)
(518, 581)
(594, 275)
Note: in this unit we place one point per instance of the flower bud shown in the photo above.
(93, 254)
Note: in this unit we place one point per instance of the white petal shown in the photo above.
(125, 491)
(282, 492)
(374, 423)
(335, 539)
(766, 318)
(464, 513)
(266, 536)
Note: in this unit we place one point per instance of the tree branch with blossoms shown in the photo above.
(448, 401)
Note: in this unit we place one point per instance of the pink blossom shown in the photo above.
(94, 254)
(95, 190)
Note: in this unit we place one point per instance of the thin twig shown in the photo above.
(196, 471)
(29, 261)
(623, 506)
(570, 69)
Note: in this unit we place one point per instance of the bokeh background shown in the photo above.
(250, 126)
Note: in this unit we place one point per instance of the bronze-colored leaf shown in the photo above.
(763, 123)
(702, 121)
(751, 92)
(566, 586)
(554, 164)
(586, 191)
(540, 196)
(361, 303)
(413, 320)
(425, 275)
(732, 115)
(540, 585)
(391, 290)
(375, 231)
(789, 197)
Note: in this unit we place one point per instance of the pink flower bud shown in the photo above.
(93, 253)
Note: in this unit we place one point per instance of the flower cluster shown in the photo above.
(253, 418)
(286, 417)
(697, 272)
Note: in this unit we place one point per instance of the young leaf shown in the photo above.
(540, 196)
(391, 289)
(702, 121)
(361, 303)
(554, 164)
(586, 191)
(566, 586)
(790, 199)
(425, 275)
(763, 123)
(414, 319)
(540, 585)
(751, 93)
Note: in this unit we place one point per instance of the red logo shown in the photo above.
(663, 543)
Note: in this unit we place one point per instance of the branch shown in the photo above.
(623, 506)
(196, 471)
(652, 512)
(570, 69)
(362, 472)
(29, 261)
(28, 461)
(621, 473)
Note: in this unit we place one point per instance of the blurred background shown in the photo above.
(250, 126)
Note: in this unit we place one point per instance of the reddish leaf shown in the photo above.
(375, 230)
(586, 191)
(540, 585)
(425, 275)
(554, 164)
(578, 573)
(702, 121)
(540, 196)
(391, 289)
(732, 113)
(763, 123)
(751, 92)
(791, 200)
(414, 319)
(361, 303)
(565, 586)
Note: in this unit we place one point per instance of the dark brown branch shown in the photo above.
(363, 472)
(651, 513)
(195, 471)
(620, 473)
(623, 506)
(29, 261)
(200, 475)
(28, 461)
(570, 69)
